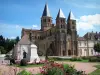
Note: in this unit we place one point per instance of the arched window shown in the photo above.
(73, 22)
(91, 51)
(38, 37)
(44, 20)
(61, 21)
(85, 43)
(48, 20)
(80, 51)
(80, 43)
(35, 37)
(61, 26)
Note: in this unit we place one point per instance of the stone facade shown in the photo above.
(58, 39)
(61, 39)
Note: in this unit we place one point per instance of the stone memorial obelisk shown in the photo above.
(33, 51)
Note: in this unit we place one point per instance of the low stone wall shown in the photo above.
(4, 62)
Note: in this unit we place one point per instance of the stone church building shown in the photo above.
(58, 39)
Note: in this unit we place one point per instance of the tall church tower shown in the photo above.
(61, 34)
(72, 33)
(46, 19)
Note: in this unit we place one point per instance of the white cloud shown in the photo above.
(88, 22)
(12, 37)
(11, 30)
(34, 26)
(18, 26)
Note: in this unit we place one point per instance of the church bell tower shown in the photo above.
(61, 34)
(72, 32)
(46, 19)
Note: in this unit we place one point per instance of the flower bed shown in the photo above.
(52, 68)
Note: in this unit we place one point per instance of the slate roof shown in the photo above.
(46, 11)
(60, 14)
(92, 35)
(71, 16)
(81, 39)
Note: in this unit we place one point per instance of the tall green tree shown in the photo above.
(97, 47)
(7, 44)
(2, 41)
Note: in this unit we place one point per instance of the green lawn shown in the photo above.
(81, 61)
(97, 71)
(97, 66)
(74, 61)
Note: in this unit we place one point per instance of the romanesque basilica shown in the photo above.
(59, 39)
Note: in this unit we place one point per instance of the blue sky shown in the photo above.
(18, 14)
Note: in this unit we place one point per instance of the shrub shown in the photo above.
(93, 59)
(58, 58)
(23, 62)
(24, 72)
(79, 59)
(85, 57)
(76, 59)
(73, 59)
(70, 70)
(59, 69)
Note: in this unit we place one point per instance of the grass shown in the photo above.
(97, 66)
(69, 59)
(73, 61)
(97, 71)
(81, 61)
(29, 65)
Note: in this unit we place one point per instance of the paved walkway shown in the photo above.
(87, 67)
(10, 70)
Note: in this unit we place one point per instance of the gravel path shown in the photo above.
(10, 70)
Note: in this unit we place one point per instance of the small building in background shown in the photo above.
(86, 44)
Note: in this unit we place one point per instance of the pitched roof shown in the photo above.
(24, 40)
(46, 11)
(60, 14)
(71, 16)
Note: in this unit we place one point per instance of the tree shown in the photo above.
(97, 47)
(7, 44)
(2, 41)
(17, 39)
(2, 50)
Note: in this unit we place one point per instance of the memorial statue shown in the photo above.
(24, 54)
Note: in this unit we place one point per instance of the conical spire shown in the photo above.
(60, 14)
(46, 11)
(71, 16)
